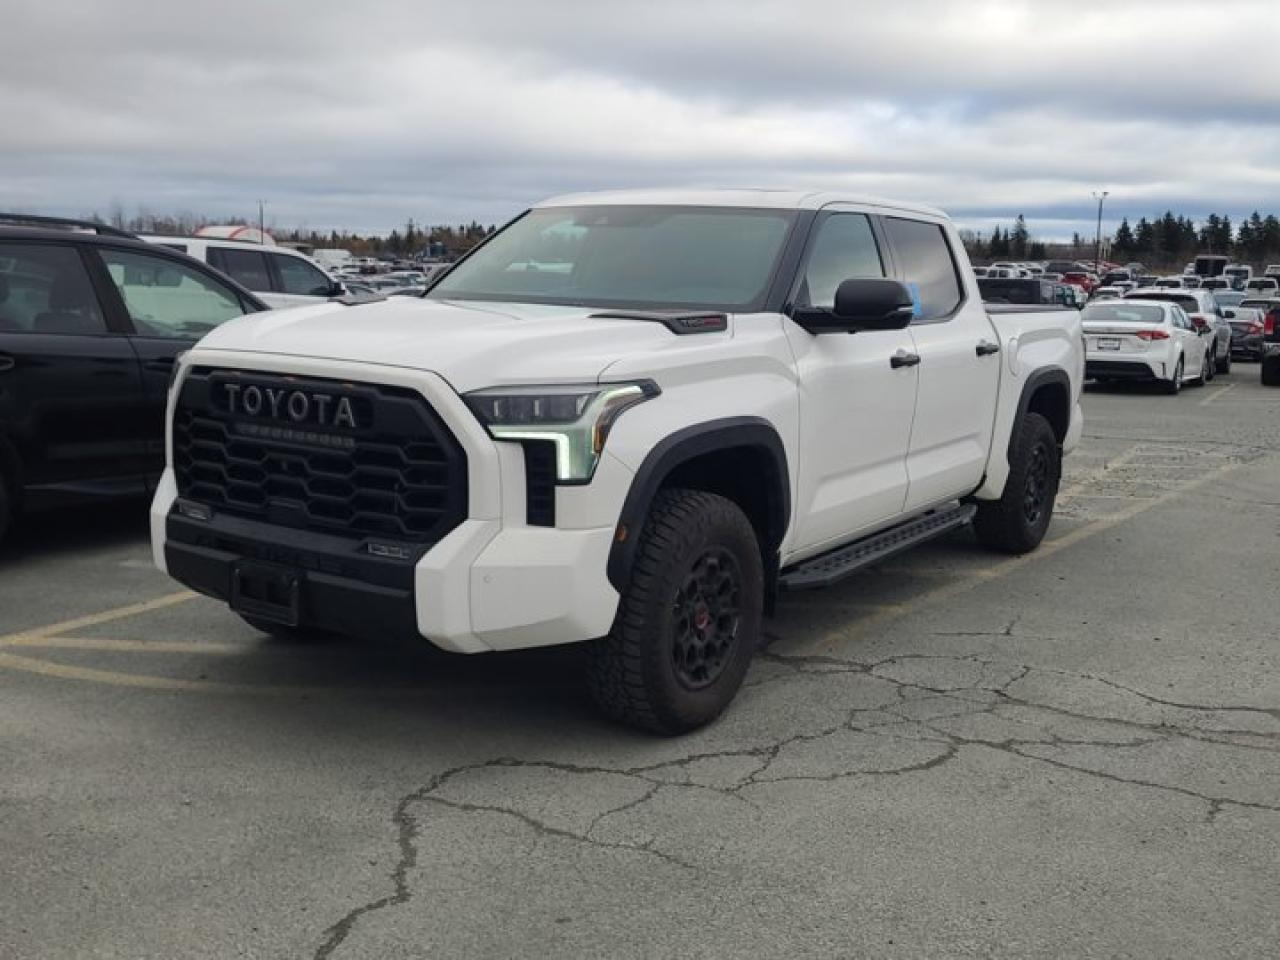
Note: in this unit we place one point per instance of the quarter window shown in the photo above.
(924, 257)
(45, 289)
(844, 249)
(246, 267)
(299, 277)
(166, 298)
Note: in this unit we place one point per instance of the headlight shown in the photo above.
(577, 419)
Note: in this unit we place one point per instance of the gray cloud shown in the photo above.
(361, 115)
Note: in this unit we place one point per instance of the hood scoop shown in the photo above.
(680, 322)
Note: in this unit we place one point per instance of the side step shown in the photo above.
(824, 570)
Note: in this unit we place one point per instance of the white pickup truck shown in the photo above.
(628, 420)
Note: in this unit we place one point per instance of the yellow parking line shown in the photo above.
(1094, 476)
(66, 671)
(1227, 389)
(1005, 567)
(105, 616)
(127, 646)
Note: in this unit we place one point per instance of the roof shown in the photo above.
(758, 198)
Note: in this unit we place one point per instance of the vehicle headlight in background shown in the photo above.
(577, 419)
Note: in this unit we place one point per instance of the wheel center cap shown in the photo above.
(701, 617)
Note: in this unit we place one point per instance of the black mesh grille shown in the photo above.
(390, 469)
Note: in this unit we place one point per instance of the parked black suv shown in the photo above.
(91, 320)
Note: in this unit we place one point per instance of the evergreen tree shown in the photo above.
(1144, 240)
(1123, 247)
(1018, 242)
(1269, 242)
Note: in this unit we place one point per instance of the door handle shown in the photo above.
(7, 363)
(904, 359)
(985, 348)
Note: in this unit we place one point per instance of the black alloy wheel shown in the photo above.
(1036, 490)
(706, 619)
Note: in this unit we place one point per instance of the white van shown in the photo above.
(282, 277)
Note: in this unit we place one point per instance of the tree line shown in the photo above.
(440, 240)
(1165, 242)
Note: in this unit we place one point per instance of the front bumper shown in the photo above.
(492, 583)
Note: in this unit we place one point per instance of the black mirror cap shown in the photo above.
(870, 304)
(875, 304)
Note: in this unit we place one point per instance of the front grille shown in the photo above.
(385, 466)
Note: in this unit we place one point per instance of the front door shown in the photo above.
(169, 305)
(959, 368)
(70, 390)
(856, 402)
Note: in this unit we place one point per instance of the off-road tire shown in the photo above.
(1271, 371)
(1009, 524)
(1174, 387)
(635, 673)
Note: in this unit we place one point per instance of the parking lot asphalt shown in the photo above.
(1070, 754)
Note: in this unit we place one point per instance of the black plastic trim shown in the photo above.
(1040, 378)
(539, 482)
(684, 445)
(681, 322)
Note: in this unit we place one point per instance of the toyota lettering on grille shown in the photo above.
(300, 406)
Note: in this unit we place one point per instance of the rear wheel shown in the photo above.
(1018, 521)
(689, 619)
(1175, 385)
(1271, 371)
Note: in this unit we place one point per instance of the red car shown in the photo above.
(1082, 279)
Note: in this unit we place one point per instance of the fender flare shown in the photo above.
(1041, 378)
(684, 445)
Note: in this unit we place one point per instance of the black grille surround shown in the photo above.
(397, 474)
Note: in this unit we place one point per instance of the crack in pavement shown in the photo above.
(984, 695)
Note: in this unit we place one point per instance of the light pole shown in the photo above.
(262, 222)
(1097, 243)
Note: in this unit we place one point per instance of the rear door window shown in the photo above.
(246, 267)
(927, 266)
(166, 298)
(44, 288)
(299, 277)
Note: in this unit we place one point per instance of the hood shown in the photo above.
(471, 345)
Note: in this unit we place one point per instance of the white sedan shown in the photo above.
(1144, 340)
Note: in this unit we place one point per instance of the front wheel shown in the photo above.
(689, 620)
(1018, 521)
(1209, 363)
(1224, 362)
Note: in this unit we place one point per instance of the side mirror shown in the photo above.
(871, 304)
(336, 289)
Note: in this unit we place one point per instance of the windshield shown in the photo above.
(1121, 312)
(712, 258)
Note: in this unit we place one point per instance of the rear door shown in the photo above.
(169, 304)
(71, 395)
(959, 366)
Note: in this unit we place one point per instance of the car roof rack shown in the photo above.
(32, 220)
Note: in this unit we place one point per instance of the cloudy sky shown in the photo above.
(359, 115)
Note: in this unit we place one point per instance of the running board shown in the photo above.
(826, 569)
